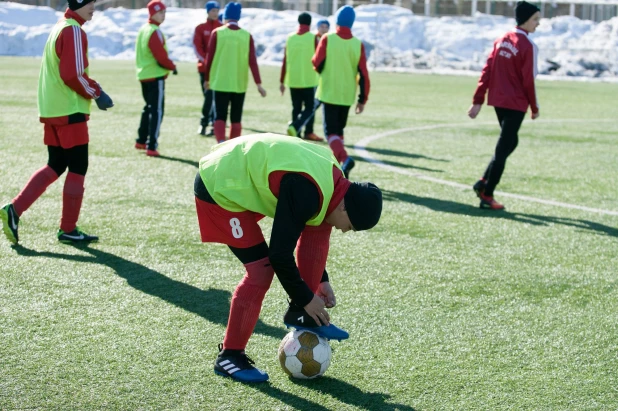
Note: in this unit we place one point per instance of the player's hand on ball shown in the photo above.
(316, 309)
(326, 293)
(536, 115)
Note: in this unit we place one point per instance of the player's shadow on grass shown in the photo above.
(397, 153)
(342, 391)
(193, 163)
(446, 206)
(212, 304)
(396, 164)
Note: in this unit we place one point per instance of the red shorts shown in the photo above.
(66, 136)
(217, 225)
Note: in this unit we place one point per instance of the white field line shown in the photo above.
(360, 149)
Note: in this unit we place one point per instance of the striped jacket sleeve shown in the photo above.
(71, 48)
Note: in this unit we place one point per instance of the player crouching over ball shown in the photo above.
(301, 186)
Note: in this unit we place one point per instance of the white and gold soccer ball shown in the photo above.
(304, 354)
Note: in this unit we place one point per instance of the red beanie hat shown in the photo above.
(154, 7)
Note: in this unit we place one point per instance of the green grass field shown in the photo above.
(449, 307)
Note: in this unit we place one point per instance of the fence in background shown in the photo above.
(596, 10)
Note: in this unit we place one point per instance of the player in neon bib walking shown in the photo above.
(301, 186)
(340, 59)
(65, 93)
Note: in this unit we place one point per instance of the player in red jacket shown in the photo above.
(200, 45)
(509, 75)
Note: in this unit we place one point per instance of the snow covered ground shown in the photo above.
(394, 38)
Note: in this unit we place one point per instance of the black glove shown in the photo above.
(104, 101)
(175, 71)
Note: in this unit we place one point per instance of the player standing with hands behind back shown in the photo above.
(64, 98)
(153, 67)
(509, 75)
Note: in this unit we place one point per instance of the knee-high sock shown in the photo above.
(219, 129)
(311, 254)
(235, 130)
(336, 144)
(72, 196)
(34, 188)
(247, 303)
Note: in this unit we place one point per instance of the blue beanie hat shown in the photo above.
(220, 17)
(346, 16)
(212, 5)
(324, 21)
(232, 11)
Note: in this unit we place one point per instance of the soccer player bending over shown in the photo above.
(64, 97)
(509, 75)
(302, 187)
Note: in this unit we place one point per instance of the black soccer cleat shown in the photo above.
(76, 236)
(298, 318)
(10, 222)
(239, 367)
(202, 130)
(479, 187)
(347, 166)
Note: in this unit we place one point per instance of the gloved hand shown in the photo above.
(175, 72)
(104, 101)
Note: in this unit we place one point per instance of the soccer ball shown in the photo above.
(303, 354)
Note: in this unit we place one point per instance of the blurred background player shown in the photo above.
(509, 75)
(231, 52)
(200, 45)
(65, 93)
(259, 175)
(323, 28)
(298, 74)
(153, 67)
(340, 59)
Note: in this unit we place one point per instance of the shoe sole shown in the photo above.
(78, 241)
(4, 216)
(236, 379)
(301, 328)
(485, 206)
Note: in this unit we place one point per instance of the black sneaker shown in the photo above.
(347, 166)
(202, 130)
(479, 187)
(239, 367)
(76, 236)
(298, 318)
(10, 222)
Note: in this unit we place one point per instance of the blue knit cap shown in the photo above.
(324, 21)
(346, 16)
(220, 17)
(212, 5)
(232, 11)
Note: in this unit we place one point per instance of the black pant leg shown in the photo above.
(237, 101)
(142, 132)
(222, 101)
(343, 118)
(331, 119)
(158, 108)
(297, 105)
(306, 97)
(510, 122)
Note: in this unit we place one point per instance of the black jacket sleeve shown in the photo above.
(299, 200)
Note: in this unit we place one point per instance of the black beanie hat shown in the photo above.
(363, 203)
(304, 18)
(523, 12)
(78, 4)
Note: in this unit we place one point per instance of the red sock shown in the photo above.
(35, 187)
(219, 129)
(311, 254)
(235, 130)
(336, 144)
(72, 196)
(247, 303)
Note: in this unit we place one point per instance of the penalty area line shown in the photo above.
(361, 149)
